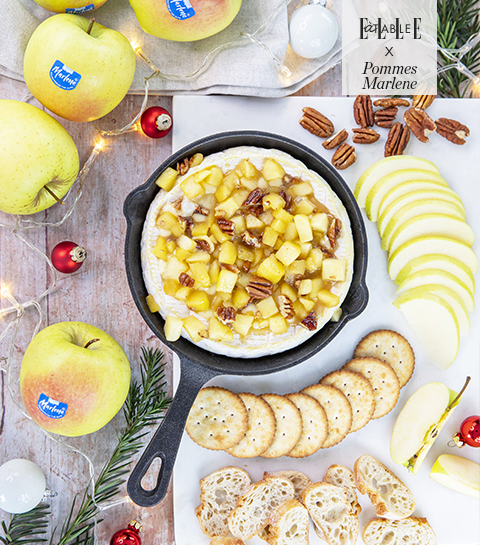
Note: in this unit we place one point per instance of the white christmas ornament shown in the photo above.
(22, 486)
(313, 30)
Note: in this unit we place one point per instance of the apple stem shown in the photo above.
(459, 394)
(91, 341)
(89, 29)
(48, 190)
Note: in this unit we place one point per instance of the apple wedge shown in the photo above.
(420, 422)
(434, 324)
(384, 167)
(396, 179)
(424, 246)
(457, 473)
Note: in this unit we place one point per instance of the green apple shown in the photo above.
(185, 20)
(457, 473)
(38, 159)
(420, 422)
(431, 225)
(74, 378)
(78, 70)
(433, 323)
(430, 245)
(395, 179)
(70, 6)
(384, 167)
(442, 262)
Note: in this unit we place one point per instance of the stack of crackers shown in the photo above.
(320, 416)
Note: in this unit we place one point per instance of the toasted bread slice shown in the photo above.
(287, 525)
(409, 531)
(331, 512)
(342, 476)
(390, 497)
(300, 480)
(219, 493)
(226, 541)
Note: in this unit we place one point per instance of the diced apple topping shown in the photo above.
(256, 255)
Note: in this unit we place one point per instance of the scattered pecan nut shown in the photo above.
(344, 156)
(310, 321)
(230, 267)
(316, 123)
(363, 111)
(226, 314)
(202, 210)
(420, 123)
(254, 197)
(204, 244)
(365, 136)
(333, 232)
(246, 266)
(452, 130)
(422, 102)
(183, 166)
(391, 102)
(226, 226)
(287, 198)
(188, 222)
(385, 117)
(250, 240)
(186, 280)
(285, 306)
(397, 140)
(259, 288)
(335, 140)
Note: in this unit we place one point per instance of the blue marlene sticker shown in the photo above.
(85, 9)
(180, 9)
(63, 76)
(51, 408)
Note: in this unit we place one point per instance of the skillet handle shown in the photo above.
(166, 441)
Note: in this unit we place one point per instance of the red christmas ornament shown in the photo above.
(469, 433)
(156, 122)
(129, 536)
(67, 257)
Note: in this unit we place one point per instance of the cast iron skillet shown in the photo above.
(198, 366)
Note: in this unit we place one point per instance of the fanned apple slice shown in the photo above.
(457, 473)
(434, 324)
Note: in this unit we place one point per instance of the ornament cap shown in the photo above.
(163, 122)
(135, 525)
(78, 254)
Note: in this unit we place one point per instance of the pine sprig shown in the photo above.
(26, 527)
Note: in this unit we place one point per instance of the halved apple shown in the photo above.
(384, 167)
(457, 473)
(420, 422)
(434, 323)
(396, 179)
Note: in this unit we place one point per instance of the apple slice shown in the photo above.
(395, 179)
(433, 323)
(442, 278)
(442, 262)
(384, 167)
(420, 422)
(457, 473)
(431, 245)
(431, 225)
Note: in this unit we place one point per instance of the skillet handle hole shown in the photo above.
(150, 479)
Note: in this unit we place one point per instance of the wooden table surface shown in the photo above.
(98, 294)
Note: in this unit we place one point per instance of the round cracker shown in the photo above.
(260, 431)
(336, 407)
(218, 419)
(359, 393)
(314, 425)
(392, 348)
(384, 381)
(288, 425)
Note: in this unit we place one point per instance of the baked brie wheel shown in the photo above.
(248, 253)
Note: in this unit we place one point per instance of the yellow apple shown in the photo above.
(70, 6)
(457, 473)
(36, 152)
(74, 378)
(185, 20)
(78, 70)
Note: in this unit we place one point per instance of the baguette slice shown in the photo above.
(287, 525)
(409, 531)
(331, 513)
(300, 480)
(390, 497)
(255, 507)
(219, 493)
(342, 476)
(222, 540)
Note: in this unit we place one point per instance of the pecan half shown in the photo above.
(202, 210)
(316, 123)
(285, 306)
(452, 130)
(336, 139)
(287, 198)
(259, 288)
(178, 204)
(226, 314)
(363, 111)
(310, 321)
(390, 102)
(183, 166)
(365, 136)
(250, 240)
(254, 197)
(420, 123)
(385, 117)
(422, 102)
(226, 226)
(256, 209)
(246, 265)
(229, 267)
(205, 244)
(333, 232)
(344, 157)
(186, 280)
(397, 140)
(188, 224)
